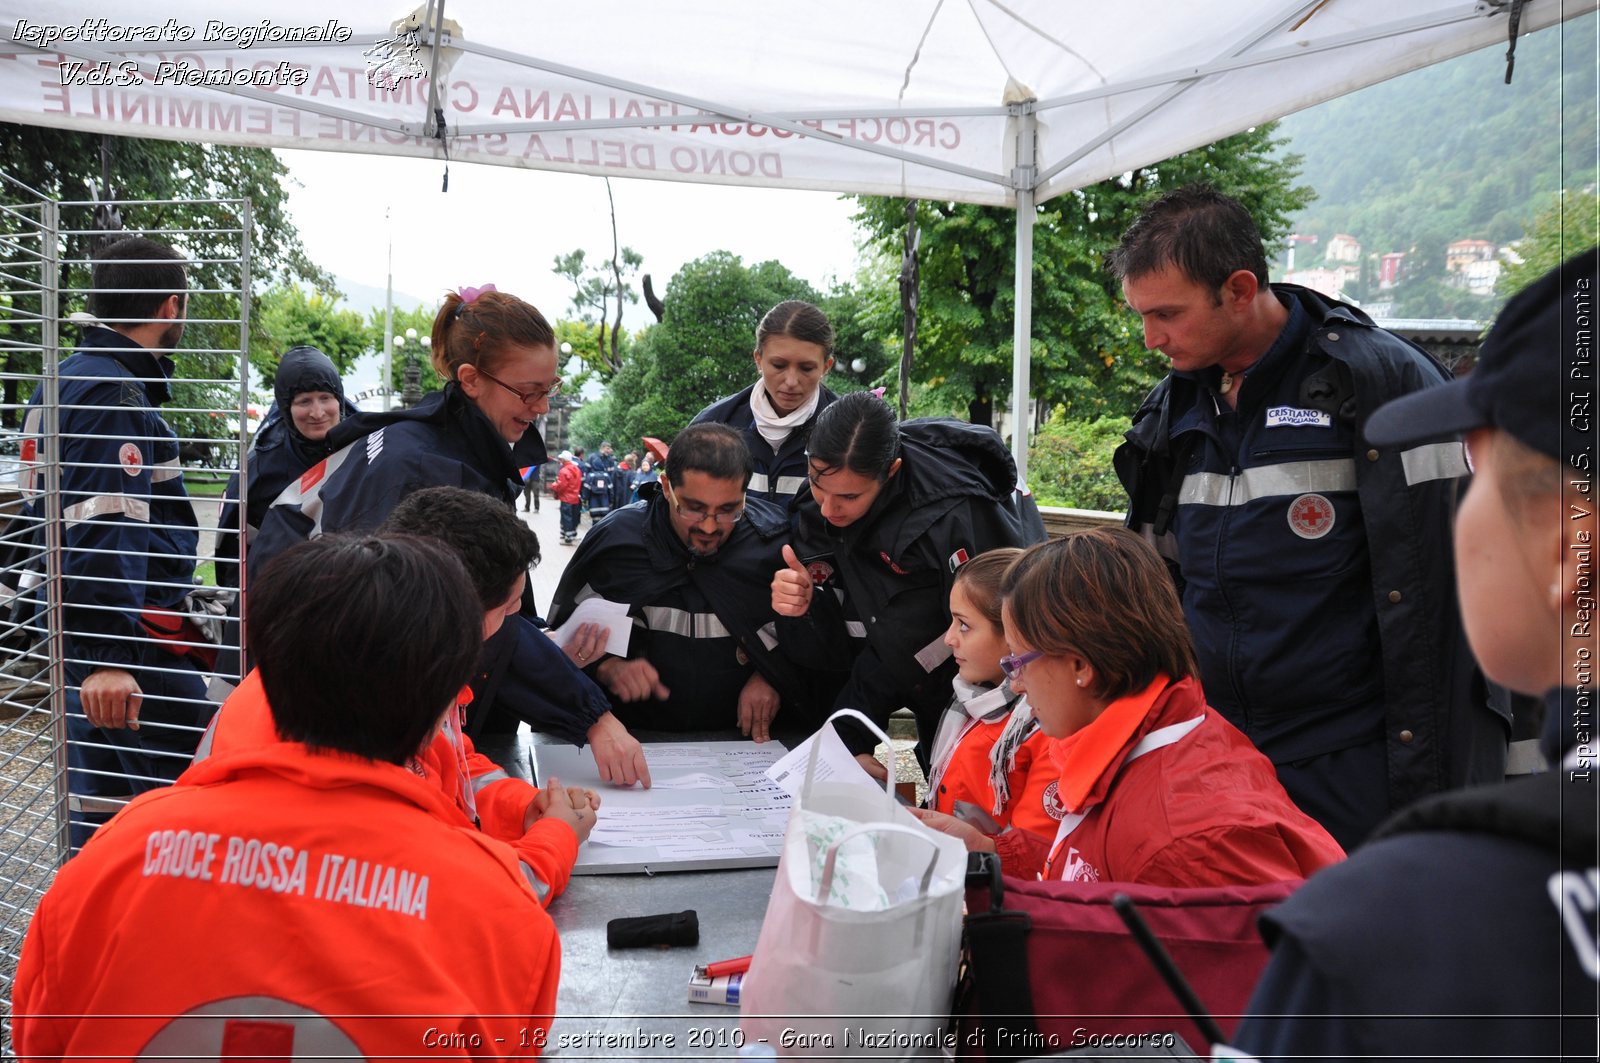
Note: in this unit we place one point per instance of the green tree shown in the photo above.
(291, 316)
(1087, 354)
(601, 291)
(1069, 463)
(1567, 224)
(701, 349)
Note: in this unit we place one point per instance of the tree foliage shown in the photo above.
(1567, 225)
(1087, 354)
(600, 291)
(291, 316)
(70, 167)
(701, 349)
(1450, 152)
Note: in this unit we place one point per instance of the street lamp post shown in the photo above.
(413, 373)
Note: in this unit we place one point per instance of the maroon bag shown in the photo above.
(1051, 967)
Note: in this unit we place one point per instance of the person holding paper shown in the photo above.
(1156, 787)
(691, 560)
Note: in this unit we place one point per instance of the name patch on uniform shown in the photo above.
(1296, 417)
(896, 569)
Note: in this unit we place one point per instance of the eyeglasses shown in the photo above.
(532, 395)
(1013, 665)
(699, 514)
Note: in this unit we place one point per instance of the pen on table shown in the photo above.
(724, 967)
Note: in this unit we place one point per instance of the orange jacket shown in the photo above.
(277, 902)
(1163, 791)
(477, 787)
(967, 771)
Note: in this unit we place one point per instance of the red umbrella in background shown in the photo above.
(657, 449)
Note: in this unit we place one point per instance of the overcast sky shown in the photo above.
(506, 225)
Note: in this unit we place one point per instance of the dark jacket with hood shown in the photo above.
(778, 474)
(444, 441)
(883, 583)
(1468, 927)
(1234, 508)
(278, 454)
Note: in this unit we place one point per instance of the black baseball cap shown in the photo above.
(1534, 378)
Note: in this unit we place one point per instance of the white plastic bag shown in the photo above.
(863, 968)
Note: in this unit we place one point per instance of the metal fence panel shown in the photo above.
(45, 253)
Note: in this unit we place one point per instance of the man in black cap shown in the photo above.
(1468, 925)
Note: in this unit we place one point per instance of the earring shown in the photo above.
(1080, 680)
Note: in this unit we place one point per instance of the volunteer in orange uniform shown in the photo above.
(497, 550)
(989, 755)
(1157, 787)
(311, 897)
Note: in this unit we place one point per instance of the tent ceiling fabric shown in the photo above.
(759, 93)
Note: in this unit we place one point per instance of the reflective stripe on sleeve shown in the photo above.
(1433, 461)
(934, 654)
(768, 634)
(855, 629)
(106, 505)
(541, 888)
(480, 781)
(1268, 481)
(165, 470)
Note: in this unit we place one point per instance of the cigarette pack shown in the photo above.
(724, 990)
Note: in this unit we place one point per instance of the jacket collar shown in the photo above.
(153, 371)
(1091, 759)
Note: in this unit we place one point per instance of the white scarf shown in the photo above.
(773, 428)
(971, 705)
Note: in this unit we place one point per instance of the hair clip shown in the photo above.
(470, 295)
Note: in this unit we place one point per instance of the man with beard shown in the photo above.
(135, 696)
(691, 560)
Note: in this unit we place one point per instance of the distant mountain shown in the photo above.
(363, 298)
(1451, 152)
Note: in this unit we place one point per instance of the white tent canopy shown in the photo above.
(987, 101)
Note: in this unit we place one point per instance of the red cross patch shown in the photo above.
(1311, 516)
(132, 461)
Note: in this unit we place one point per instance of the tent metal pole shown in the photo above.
(1024, 175)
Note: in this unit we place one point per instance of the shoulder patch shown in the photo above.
(959, 558)
(131, 459)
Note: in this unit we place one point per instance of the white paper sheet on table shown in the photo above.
(834, 762)
(608, 614)
(712, 806)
